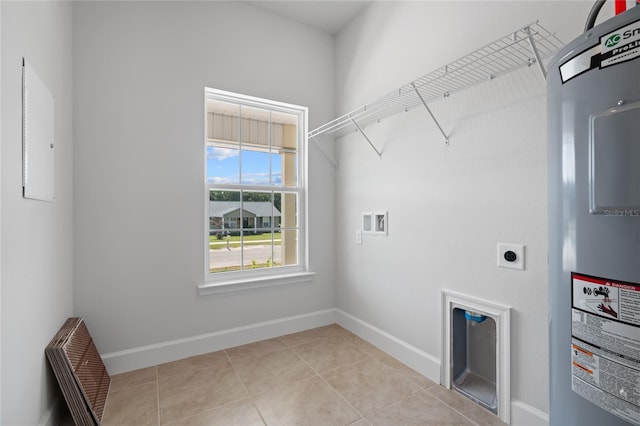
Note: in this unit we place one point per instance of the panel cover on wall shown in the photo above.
(37, 136)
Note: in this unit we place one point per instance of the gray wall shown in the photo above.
(141, 69)
(37, 237)
(448, 205)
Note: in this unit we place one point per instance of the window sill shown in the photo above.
(252, 283)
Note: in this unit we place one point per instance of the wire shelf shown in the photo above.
(521, 48)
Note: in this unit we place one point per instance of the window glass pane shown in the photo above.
(224, 231)
(257, 209)
(223, 121)
(276, 169)
(218, 195)
(251, 144)
(288, 223)
(223, 165)
(284, 133)
(224, 251)
(255, 126)
(289, 168)
(287, 248)
(258, 249)
(224, 209)
(288, 209)
(285, 130)
(255, 167)
(277, 207)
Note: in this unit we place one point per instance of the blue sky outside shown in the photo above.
(223, 166)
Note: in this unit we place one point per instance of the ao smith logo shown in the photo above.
(616, 38)
(613, 40)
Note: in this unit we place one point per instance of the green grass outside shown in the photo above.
(254, 265)
(249, 240)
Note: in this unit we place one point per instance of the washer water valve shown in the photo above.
(474, 316)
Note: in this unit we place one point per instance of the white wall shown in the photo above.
(129, 235)
(0, 214)
(140, 73)
(448, 205)
(36, 236)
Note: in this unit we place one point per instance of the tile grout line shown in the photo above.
(362, 417)
(340, 366)
(292, 347)
(414, 394)
(334, 389)
(385, 407)
(454, 409)
(315, 373)
(368, 356)
(235, 370)
(381, 409)
(208, 367)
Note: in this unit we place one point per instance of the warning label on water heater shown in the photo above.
(605, 344)
(620, 45)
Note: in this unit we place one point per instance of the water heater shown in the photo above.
(593, 91)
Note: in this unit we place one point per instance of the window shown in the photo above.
(255, 188)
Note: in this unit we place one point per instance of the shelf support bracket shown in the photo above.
(535, 52)
(446, 138)
(364, 135)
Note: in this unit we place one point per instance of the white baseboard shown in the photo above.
(522, 414)
(146, 356)
(47, 416)
(525, 415)
(422, 362)
(428, 365)
(56, 414)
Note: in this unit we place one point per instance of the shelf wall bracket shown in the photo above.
(364, 135)
(536, 54)
(446, 138)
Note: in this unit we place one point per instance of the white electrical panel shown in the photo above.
(37, 137)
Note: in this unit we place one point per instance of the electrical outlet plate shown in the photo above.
(518, 249)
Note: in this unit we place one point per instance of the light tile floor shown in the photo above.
(324, 376)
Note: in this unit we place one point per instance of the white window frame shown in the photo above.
(223, 282)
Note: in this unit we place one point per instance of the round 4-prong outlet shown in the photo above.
(511, 256)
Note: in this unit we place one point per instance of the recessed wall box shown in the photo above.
(380, 223)
(375, 223)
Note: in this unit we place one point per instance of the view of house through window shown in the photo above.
(254, 183)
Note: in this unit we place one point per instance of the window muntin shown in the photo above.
(255, 186)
